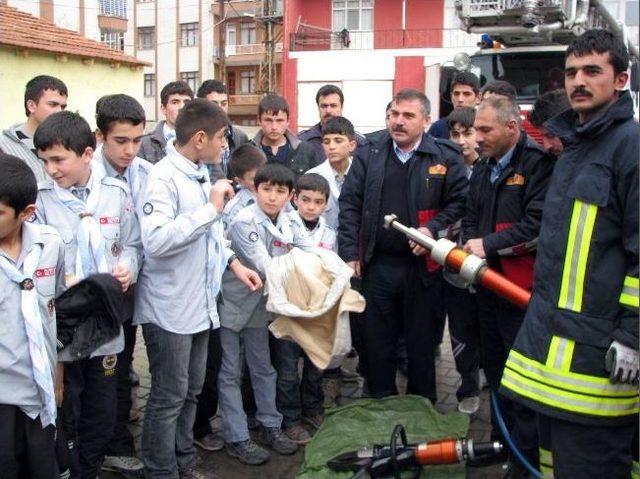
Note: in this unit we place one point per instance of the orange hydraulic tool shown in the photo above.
(471, 268)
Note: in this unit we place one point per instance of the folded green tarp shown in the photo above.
(371, 421)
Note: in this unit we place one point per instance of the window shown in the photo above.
(113, 8)
(248, 82)
(632, 12)
(189, 34)
(112, 38)
(146, 38)
(191, 78)
(149, 84)
(247, 33)
(354, 15)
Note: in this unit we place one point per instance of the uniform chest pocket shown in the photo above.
(45, 280)
(592, 187)
(110, 227)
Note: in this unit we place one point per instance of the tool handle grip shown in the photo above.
(500, 285)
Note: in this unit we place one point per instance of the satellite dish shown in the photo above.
(461, 61)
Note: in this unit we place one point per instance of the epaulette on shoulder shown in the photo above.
(45, 184)
(109, 181)
(163, 170)
(50, 232)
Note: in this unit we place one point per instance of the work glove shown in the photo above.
(622, 363)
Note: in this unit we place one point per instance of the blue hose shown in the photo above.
(507, 437)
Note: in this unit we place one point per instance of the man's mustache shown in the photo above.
(580, 92)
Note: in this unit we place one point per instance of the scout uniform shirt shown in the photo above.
(112, 237)
(255, 239)
(184, 248)
(335, 184)
(321, 236)
(18, 366)
(243, 198)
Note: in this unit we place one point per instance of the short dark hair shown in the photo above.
(463, 116)
(601, 41)
(273, 104)
(329, 90)
(175, 88)
(18, 185)
(500, 87)
(211, 86)
(547, 106)
(339, 125)
(66, 129)
(199, 115)
(118, 108)
(466, 78)
(408, 94)
(37, 86)
(313, 182)
(274, 174)
(245, 158)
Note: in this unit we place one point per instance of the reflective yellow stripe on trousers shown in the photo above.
(583, 219)
(546, 463)
(630, 295)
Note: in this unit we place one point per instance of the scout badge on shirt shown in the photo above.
(51, 307)
(116, 249)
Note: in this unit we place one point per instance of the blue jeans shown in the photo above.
(177, 363)
(296, 398)
(263, 380)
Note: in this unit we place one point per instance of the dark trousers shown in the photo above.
(574, 450)
(208, 398)
(499, 323)
(27, 451)
(463, 329)
(121, 443)
(91, 387)
(399, 303)
(294, 397)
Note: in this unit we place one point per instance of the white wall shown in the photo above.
(28, 6)
(66, 13)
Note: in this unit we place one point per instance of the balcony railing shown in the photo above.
(248, 49)
(382, 39)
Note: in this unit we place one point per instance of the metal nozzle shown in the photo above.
(388, 220)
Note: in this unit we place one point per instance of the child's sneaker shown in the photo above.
(247, 452)
(274, 437)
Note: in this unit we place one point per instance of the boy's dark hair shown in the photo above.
(199, 115)
(118, 108)
(329, 90)
(339, 125)
(409, 94)
(273, 104)
(468, 79)
(274, 174)
(547, 106)
(66, 129)
(246, 158)
(175, 88)
(313, 182)
(601, 41)
(500, 87)
(18, 185)
(211, 86)
(463, 116)
(37, 86)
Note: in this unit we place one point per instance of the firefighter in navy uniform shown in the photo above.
(501, 224)
(575, 359)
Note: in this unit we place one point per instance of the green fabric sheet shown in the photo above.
(371, 421)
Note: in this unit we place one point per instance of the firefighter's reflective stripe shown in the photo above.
(560, 353)
(583, 220)
(635, 470)
(630, 295)
(546, 463)
(567, 390)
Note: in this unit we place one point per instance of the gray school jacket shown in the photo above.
(175, 290)
(118, 224)
(16, 373)
(255, 239)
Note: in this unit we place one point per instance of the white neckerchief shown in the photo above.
(90, 254)
(311, 238)
(40, 363)
(131, 173)
(281, 231)
(217, 253)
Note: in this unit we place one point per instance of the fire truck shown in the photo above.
(523, 42)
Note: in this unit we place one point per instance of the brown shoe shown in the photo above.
(314, 421)
(298, 434)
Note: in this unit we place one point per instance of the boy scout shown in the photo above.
(94, 216)
(307, 222)
(176, 295)
(258, 233)
(31, 276)
(120, 120)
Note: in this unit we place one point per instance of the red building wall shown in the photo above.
(423, 23)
